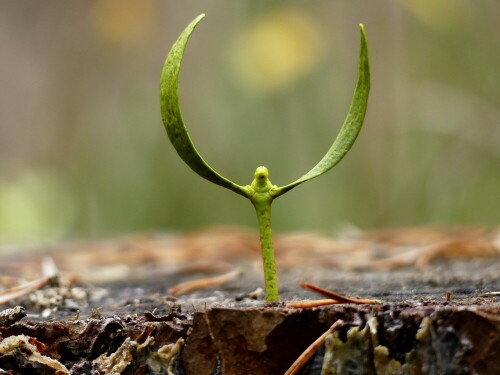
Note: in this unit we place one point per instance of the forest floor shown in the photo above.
(167, 277)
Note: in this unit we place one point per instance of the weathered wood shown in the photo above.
(405, 339)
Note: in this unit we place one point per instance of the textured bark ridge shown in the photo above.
(386, 339)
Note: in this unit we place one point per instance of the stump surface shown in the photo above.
(109, 310)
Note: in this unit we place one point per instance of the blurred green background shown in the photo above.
(83, 152)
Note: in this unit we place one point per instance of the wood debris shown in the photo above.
(429, 244)
(11, 316)
(216, 249)
(26, 349)
(131, 353)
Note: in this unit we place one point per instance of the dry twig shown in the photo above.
(311, 304)
(488, 294)
(307, 354)
(21, 290)
(333, 298)
(191, 286)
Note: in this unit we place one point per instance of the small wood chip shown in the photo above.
(489, 294)
(307, 354)
(76, 317)
(449, 295)
(191, 286)
(11, 316)
(311, 304)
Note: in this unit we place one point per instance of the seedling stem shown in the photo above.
(261, 192)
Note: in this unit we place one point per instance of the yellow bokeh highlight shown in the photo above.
(438, 14)
(123, 22)
(276, 49)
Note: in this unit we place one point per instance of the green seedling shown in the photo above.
(261, 192)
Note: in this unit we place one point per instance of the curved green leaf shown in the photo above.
(172, 117)
(352, 124)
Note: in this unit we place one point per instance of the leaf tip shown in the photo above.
(197, 20)
(364, 42)
(362, 30)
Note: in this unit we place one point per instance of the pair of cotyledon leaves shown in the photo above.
(178, 134)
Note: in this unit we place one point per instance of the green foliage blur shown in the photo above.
(83, 152)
